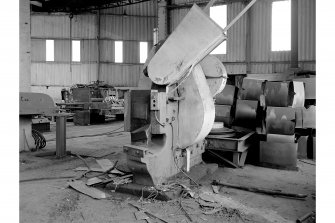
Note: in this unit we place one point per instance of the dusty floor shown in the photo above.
(47, 200)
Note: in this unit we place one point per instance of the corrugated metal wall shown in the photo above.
(135, 23)
(131, 24)
(263, 60)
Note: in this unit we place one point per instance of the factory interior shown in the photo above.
(168, 111)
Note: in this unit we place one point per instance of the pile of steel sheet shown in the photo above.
(282, 112)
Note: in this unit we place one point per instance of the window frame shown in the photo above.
(274, 34)
(146, 51)
(224, 43)
(72, 51)
(115, 56)
(46, 50)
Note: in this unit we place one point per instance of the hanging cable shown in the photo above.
(40, 141)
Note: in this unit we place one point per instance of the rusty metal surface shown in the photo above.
(280, 120)
(246, 114)
(227, 96)
(278, 94)
(251, 89)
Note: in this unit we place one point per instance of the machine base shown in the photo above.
(196, 173)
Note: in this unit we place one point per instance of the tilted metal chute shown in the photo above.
(174, 111)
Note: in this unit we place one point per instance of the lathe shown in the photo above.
(173, 110)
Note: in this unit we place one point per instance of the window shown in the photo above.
(118, 52)
(50, 50)
(281, 26)
(219, 15)
(76, 50)
(143, 51)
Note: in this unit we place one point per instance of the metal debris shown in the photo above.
(215, 189)
(93, 181)
(90, 191)
(140, 215)
(105, 164)
(94, 169)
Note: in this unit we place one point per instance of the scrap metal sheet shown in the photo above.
(90, 191)
(227, 96)
(278, 154)
(299, 95)
(310, 92)
(105, 164)
(278, 94)
(309, 117)
(223, 114)
(246, 113)
(298, 118)
(251, 89)
(280, 120)
(280, 138)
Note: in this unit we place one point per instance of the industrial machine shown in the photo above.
(91, 103)
(33, 104)
(174, 111)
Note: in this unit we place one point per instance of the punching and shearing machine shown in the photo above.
(173, 110)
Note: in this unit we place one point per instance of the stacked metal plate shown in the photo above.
(224, 104)
(246, 114)
(224, 132)
(227, 95)
(284, 101)
(251, 89)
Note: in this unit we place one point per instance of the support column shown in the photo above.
(248, 43)
(25, 47)
(294, 34)
(98, 39)
(162, 20)
(60, 136)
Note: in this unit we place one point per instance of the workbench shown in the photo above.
(238, 145)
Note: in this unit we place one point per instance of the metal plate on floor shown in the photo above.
(95, 153)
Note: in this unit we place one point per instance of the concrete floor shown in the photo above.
(52, 201)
